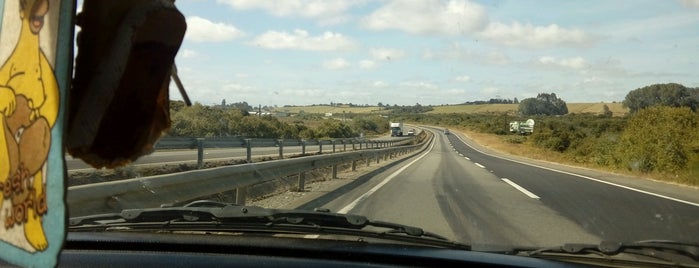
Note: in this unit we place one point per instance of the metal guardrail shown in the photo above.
(230, 142)
(172, 188)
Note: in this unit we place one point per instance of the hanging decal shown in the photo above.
(33, 57)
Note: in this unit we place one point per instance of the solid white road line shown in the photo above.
(520, 188)
(364, 196)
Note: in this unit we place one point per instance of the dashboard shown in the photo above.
(196, 250)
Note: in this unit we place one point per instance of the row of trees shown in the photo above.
(543, 104)
(672, 94)
(494, 101)
(209, 121)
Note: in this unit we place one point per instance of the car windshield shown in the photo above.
(494, 124)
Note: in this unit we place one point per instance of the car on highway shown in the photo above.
(461, 191)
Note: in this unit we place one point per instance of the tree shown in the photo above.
(543, 104)
(516, 101)
(606, 112)
(659, 138)
(671, 94)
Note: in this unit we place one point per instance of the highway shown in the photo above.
(181, 156)
(457, 191)
(213, 154)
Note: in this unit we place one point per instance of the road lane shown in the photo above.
(175, 156)
(449, 195)
(611, 212)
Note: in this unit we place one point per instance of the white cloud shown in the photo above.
(387, 53)
(326, 11)
(380, 84)
(188, 53)
(463, 78)
(530, 36)
(690, 3)
(576, 63)
(420, 85)
(455, 91)
(428, 17)
(457, 52)
(367, 64)
(301, 40)
(203, 30)
(336, 64)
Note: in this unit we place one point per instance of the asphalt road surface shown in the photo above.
(457, 191)
(179, 156)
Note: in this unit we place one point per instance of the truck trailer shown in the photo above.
(396, 129)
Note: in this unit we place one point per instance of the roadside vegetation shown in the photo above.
(231, 120)
(654, 132)
(659, 138)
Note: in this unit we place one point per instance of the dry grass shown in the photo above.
(577, 108)
(336, 110)
(595, 108)
(475, 108)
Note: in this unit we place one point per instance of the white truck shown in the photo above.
(396, 129)
(522, 128)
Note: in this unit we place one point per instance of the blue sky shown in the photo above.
(432, 52)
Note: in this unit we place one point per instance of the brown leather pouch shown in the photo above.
(119, 102)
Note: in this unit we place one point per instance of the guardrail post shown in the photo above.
(360, 145)
(281, 148)
(353, 148)
(344, 146)
(200, 153)
(385, 156)
(368, 159)
(240, 195)
(335, 171)
(248, 150)
(302, 182)
(303, 147)
(333, 145)
(378, 156)
(320, 146)
(354, 165)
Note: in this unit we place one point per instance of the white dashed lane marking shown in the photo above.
(520, 188)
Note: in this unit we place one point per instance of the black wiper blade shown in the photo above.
(217, 212)
(405, 229)
(670, 251)
(231, 214)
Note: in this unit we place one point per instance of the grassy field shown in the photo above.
(336, 110)
(577, 108)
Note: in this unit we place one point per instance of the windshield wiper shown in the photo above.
(675, 252)
(210, 214)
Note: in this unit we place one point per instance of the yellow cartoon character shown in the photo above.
(29, 99)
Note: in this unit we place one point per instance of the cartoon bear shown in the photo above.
(29, 100)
